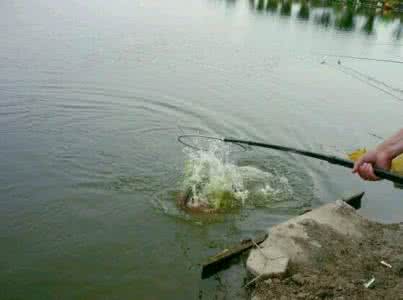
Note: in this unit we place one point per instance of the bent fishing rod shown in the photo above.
(381, 173)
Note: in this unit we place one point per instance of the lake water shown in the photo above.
(93, 95)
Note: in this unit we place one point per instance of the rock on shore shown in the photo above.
(329, 253)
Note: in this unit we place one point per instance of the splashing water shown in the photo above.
(264, 187)
(214, 181)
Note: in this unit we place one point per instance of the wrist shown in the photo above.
(389, 152)
(393, 146)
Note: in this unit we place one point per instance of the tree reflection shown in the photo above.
(231, 3)
(398, 32)
(369, 24)
(342, 14)
(285, 8)
(272, 5)
(260, 5)
(304, 10)
(323, 18)
(345, 21)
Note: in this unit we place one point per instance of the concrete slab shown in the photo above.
(290, 241)
(271, 263)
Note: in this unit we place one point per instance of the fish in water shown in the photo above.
(186, 202)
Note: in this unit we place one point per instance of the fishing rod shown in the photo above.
(367, 58)
(381, 173)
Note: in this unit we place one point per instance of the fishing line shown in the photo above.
(369, 78)
(345, 71)
(367, 58)
(369, 83)
(377, 136)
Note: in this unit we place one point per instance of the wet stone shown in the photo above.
(298, 279)
(302, 295)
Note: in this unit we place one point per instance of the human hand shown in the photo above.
(364, 166)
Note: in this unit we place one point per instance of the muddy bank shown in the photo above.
(331, 258)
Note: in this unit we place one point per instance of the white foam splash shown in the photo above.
(213, 179)
(264, 187)
(217, 182)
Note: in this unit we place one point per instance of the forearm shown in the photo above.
(393, 146)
